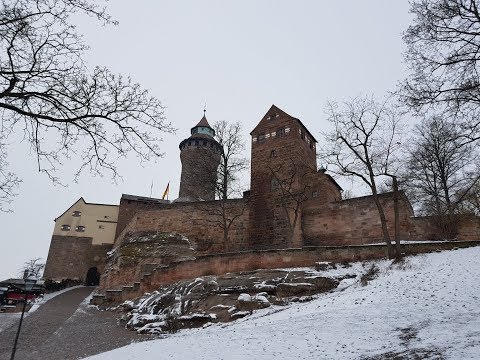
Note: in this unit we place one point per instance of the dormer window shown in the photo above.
(77, 213)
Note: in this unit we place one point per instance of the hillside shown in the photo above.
(425, 308)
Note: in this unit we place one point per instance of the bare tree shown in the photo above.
(442, 169)
(443, 44)
(33, 267)
(363, 144)
(232, 161)
(223, 212)
(471, 199)
(290, 182)
(63, 108)
(9, 182)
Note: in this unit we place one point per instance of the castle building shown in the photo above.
(290, 204)
(283, 179)
(81, 238)
(200, 157)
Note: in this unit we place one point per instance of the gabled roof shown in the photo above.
(276, 110)
(76, 202)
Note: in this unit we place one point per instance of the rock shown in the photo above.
(324, 265)
(323, 284)
(249, 303)
(295, 289)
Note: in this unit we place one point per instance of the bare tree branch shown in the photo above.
(66, 110)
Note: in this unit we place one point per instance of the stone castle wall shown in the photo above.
(200, 222)
(70, 257)
(353, 221)
(124, 287)
(464, 227)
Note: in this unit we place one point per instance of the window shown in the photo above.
(80, 228)
(314, 194)
(106, 217)
(204, 143)
(196, 142)
(101, 226)
(280, 132)
(302, 135)
(261, 138)
(189, 143)
(77, 213)
(273, 153)
(65, 227)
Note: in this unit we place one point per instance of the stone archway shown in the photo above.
(93, 277)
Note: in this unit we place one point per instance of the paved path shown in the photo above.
(65, 328)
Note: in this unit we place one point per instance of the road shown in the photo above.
(65, 327)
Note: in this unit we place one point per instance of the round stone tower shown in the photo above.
(200, 156)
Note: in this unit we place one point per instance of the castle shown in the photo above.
(291, 204)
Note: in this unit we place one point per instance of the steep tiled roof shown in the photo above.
(203, 122)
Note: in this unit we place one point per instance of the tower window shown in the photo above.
(77, 213)
(273, 153)
(65, 227)
(80, 228)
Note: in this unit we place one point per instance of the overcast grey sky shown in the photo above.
(238, 56)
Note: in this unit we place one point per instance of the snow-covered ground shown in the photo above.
(429, 306)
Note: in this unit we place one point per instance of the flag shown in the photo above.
(165, 193)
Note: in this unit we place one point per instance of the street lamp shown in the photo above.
(30, 282)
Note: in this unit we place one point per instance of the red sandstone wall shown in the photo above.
(128, 208)
(426, 228)
(198, 221)
(353, 221)
(247, 261)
